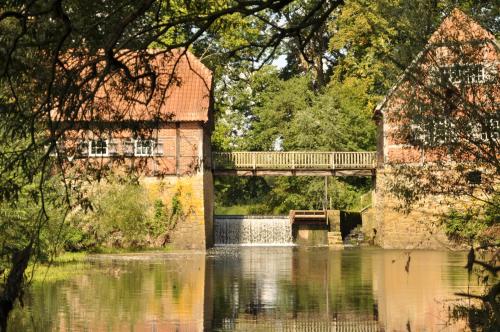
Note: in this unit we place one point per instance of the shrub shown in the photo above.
(122, 215)
(473, 223)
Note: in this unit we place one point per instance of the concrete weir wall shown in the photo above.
(195, 194)
(310, 235)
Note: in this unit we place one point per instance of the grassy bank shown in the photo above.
(60, 268)
(70, 264)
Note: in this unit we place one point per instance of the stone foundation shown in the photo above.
(369, 226)
(392, 229)
(195, 194)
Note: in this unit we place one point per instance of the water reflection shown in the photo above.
(260, 289)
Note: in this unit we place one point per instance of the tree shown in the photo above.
(55, 55)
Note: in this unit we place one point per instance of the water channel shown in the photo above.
(249, 288)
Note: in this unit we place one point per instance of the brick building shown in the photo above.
(158, 127)
(442, 111)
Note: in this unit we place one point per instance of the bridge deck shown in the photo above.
(294, 163)
(308, 217)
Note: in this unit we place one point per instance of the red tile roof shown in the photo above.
(182, 89)
(459, 27)
(188, 95)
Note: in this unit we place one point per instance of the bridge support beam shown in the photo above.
(296, 172)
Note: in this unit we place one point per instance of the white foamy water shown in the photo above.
(252, 230)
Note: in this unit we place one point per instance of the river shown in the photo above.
(250, 288)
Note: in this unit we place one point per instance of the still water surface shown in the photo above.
(250, 288)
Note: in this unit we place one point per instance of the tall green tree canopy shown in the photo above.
(365, 47)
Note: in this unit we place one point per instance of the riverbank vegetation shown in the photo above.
(122, 214)
(323, 67)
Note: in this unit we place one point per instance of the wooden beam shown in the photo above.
(305, 172)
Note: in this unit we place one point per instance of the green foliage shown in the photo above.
(309, 193)
(21, 221)
(492, 211)
(474, 224)
(464, 225)
(233, 190)
(122, 208)
(278, 106)
(159, 207)
(340, 119)
(122, 216)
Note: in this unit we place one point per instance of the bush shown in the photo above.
(21, 221)
(473, 223)
(122, 215)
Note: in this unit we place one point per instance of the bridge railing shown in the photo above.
(293, 160)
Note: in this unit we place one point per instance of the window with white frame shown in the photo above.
(144, 147)
(437, 132)
(98, 148)
(463, 74)
(442, 131)
(492, 130)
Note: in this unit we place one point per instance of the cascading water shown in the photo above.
(252, 230)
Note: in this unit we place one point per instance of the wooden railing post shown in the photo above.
(254, 163)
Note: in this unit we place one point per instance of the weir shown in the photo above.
(252, 230)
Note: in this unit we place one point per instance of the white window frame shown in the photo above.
(141, 153)
(494, 131)
(473, 73)
(91, 143)
(442, 132)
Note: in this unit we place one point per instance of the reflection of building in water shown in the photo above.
(417, 300)
(320, 290)
(260, 289)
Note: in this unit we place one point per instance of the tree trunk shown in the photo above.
(14, 284)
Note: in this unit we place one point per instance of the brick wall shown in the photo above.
(190, 147)
(458, 41)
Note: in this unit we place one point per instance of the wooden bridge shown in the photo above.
(308, 217)
(294, 163)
